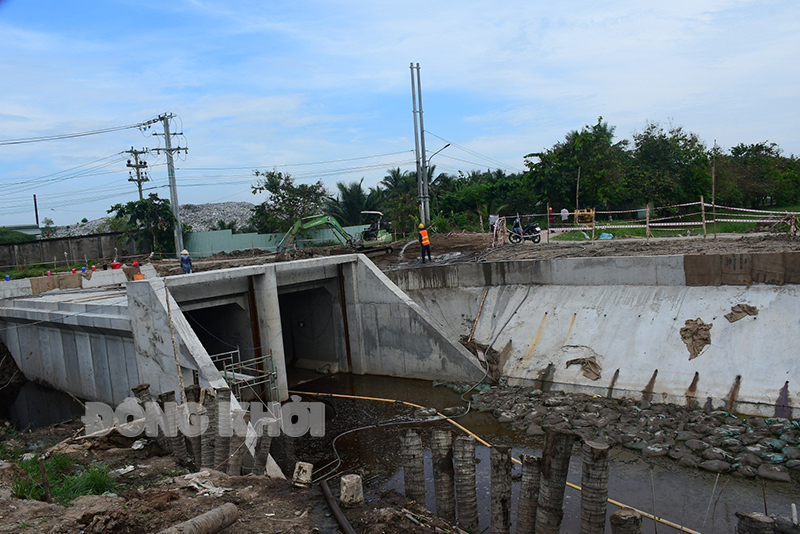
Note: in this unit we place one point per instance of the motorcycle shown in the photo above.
(530, 232)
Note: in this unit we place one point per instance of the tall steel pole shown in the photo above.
(425, 183)
(420, 179)
(173, 187)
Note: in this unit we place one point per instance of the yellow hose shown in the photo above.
(487, 444)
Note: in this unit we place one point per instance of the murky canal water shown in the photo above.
(681, 495)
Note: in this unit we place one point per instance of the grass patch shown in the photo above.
(68, 480)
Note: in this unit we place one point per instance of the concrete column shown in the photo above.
(501, 490)
(594, 484)
(626, 521)
(442, 452)
(466, 492)
(269, 324)
(413, 466)
(354, 323)
(528, 494)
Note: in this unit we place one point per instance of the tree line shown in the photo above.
(659, 165)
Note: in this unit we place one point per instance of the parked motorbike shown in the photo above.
(529, 232)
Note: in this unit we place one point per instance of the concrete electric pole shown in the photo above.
(139, 167)
(420, 179)
(423, 184)
(173, 188)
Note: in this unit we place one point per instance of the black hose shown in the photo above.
(337, 512)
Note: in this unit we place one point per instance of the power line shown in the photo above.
(292, 164)
(469, 151)
(24, 140)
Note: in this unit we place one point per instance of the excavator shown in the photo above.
(373, 239)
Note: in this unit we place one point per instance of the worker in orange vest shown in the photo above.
(425, 242)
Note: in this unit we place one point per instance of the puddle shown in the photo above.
(680, 495)
(34, 406)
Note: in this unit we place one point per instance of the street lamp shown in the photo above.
(427, 184)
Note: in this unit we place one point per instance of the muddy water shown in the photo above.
(675, 493)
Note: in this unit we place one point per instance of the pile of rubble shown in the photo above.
(205, 217)
(201, 217)
(716, 441)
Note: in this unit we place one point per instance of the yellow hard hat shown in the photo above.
(421, 226)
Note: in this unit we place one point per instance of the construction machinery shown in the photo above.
(372, 239)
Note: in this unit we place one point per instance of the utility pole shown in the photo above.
(173, 188)
(36, 210)
(420, 179)
(140, 168)
(426, 201)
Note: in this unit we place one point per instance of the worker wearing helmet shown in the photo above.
(425, 242)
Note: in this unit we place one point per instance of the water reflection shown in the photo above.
(681, 495)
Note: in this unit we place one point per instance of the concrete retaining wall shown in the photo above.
(627, 313)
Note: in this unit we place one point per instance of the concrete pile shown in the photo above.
(715, 441)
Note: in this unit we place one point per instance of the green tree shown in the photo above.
(149, 221)
(552, 175)
(286, 201)
(351, 200)
(400, 199)
(669, 166)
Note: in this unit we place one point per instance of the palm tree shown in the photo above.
(351, 200)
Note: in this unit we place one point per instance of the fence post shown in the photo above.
(647, 224)
(528, 494)
(442, 453)
(548, 222)
(703, 214)
(594, 482)
(594, 221)
(466, 493)
(501, 489)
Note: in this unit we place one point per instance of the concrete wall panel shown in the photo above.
(83, 348)
(637, 330)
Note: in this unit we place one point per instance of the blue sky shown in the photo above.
(298, 85)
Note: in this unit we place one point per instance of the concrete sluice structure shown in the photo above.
(618, 319)
(622, 318)
(337, 314)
